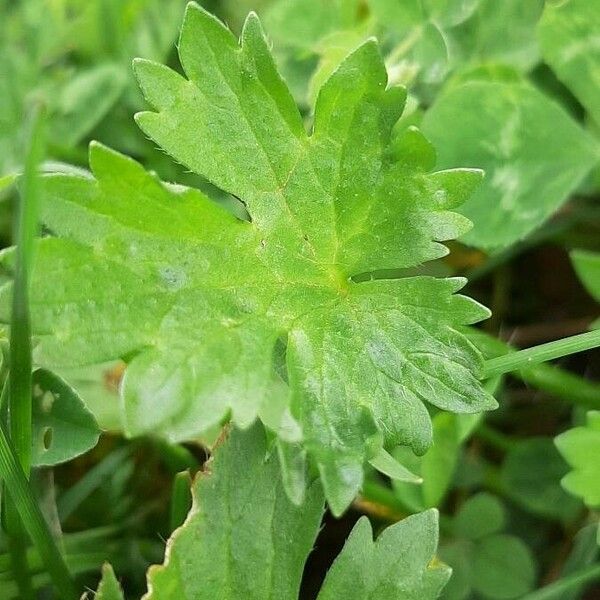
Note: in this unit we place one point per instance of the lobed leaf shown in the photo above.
(401, 563)
(243, 537)
(580, 447)
(222, 317)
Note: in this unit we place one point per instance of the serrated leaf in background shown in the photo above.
(243, 537)
(401, 563)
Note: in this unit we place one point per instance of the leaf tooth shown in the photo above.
(161, 86)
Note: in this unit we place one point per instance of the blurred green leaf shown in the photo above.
(503, 568)
(84, 100)
(436, 467)
(580, 447)
(532, 471)
(530, 168)
(480, 516)
(494, 565)
(63, 427)
(568, 34)
(499, 31)
(587, 265)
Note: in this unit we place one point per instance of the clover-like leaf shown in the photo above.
(568, 34)
(219, 316)
(484, 560)
(580, 447)
(531, 167)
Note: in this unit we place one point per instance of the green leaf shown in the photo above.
(98, 387)
(243, 537)
(501, 32)
(401, 563)
(480, 516)
(503, 568)
(63, 427)
(587, 265)
(568, 34)
(109, 588)
(84, 101)
(412, 13)
(580, 447)
(303, 24)
(6, 181)
(483, 560)
(201, 302)
(457, 556)
(532, 471)
(531, 168)
(436, 467)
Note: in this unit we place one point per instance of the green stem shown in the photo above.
(19, 391)
(523, 359)
(24, 501)
(381, 494)
(181, 499)
(558, 589)
(495, 438)
(562, 384)
(17, 549)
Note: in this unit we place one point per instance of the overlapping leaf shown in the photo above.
(243, 538)
(568, 34)
(207, 307)
(531, 168)
(580, 447)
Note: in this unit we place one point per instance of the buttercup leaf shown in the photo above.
(201, 303)
(401, 563)
(243, 538)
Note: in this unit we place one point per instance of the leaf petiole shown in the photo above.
(558, 589)
(33, 521)
(542, 353)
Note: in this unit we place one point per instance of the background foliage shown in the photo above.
(512, 88)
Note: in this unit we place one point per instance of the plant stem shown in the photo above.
(557, 590)
(31, 516)
(542, 353)
(20, 566)
(19, 391)
(562, 384)
(495, 438)
(381, 494)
